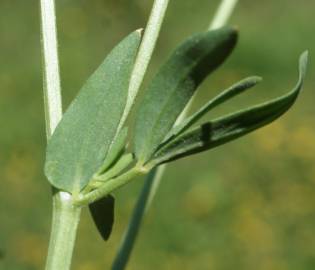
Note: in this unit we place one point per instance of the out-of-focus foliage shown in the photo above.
(252, 202)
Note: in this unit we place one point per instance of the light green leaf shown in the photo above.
(115, 151)
(81, 141)
(227, 94)
(119, 166)
(230, 127)
(175, 84)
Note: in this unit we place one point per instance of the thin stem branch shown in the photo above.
(144, 56)
(108, 187)
(223, 14)
(140, 209)
(152, 181)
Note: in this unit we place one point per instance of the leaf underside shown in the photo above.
(81, 141)
(174, 85)
(102, 213)
(230, 127)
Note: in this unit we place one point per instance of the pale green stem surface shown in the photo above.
(223, 13)
(108, 187)
(144, 56)
(153, 180)
(52, 90)
(65, 216)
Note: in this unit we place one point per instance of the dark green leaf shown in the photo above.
(81, 141)
(227, 94)
(102, 212)
(231, 127)
(175, 84)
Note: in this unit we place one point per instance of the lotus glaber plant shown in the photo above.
(91, 154)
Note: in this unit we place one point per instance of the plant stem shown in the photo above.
(143, 203)
(145, 53)
(223, 13)
(152, 181)
(65, 222)
(108, 187)
(65, 216)
(52, 90)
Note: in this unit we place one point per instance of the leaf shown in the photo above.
(119, 166)
(175, 84)
(102, 212)
(115, 151)
(81, 141)
(230, 127)
(227, 94)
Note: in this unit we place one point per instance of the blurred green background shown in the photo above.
(246, 205)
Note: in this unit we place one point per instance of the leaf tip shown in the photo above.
(304, 58)
(231, 32)
(256, 79)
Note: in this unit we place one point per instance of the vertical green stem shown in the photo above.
(66, 218)
(65, 215)
(152, 181)
(52, 89)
